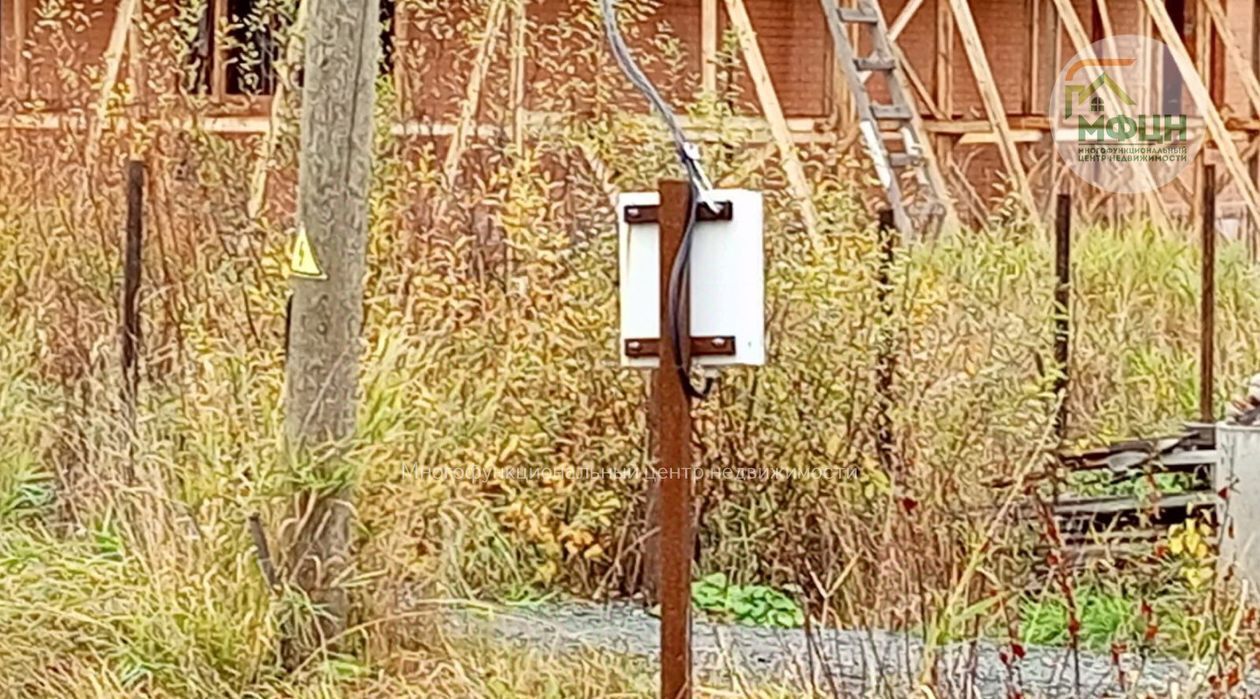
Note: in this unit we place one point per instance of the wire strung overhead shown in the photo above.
(689, 157)
(688, 153)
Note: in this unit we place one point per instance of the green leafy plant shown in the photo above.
(1105, 617)
(755, 605)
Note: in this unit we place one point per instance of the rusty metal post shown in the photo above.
(674, 464)
(1207, 300)
(886, 361)
(130, 312)
(1062, 308)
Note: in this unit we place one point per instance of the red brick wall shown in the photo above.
(918, 41)
(64, 38)
(1003, 27)
(1242, 14)
(566, 57)
(792, 35)
(8, 50)
(796, 46)
(430, 54)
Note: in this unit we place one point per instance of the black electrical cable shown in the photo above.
(688, 156)
(678, 276)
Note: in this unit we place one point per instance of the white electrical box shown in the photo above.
(727, 305)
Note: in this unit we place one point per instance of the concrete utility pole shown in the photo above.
(327, 308)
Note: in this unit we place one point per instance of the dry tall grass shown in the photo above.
(490, 344)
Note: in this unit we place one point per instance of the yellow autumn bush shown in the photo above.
(490, 352)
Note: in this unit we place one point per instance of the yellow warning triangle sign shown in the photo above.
(302, 262)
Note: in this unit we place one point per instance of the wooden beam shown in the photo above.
(1207, 301)
(925, 95)
(903, 18)
(1104, 19)
(958, 126)
(126, 11)
(279, 99)
(803, 131)
(992, 99)
(18, 8)
(931, 170)
(1199, 93)
(600, 170)
(1200, 42)
(218, 44)
(992, 137)
(943, 63)
(798, 182)
(135, 76)
(520, 43)
(1234, 50)
(1033, 56)
(1071, 22)
(708, 45)
(1250, 150)
(472, 91)
(1218, 66)
(943, 68)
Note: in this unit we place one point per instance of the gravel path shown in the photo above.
(859, 663)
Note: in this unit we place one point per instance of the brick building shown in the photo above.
(56, 54)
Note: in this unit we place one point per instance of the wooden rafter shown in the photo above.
(1104, 20)
(903, 18)
(1081, 44)
(773, 111)
(1199, 93)
(992, 99)
(920, 89)
(113, 61)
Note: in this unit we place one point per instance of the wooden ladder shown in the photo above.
(931, 207)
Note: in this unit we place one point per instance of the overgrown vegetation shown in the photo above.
(126, 559)
(756, 605)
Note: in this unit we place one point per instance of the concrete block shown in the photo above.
(1239, 471)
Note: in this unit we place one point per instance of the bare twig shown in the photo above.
(263, 550)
